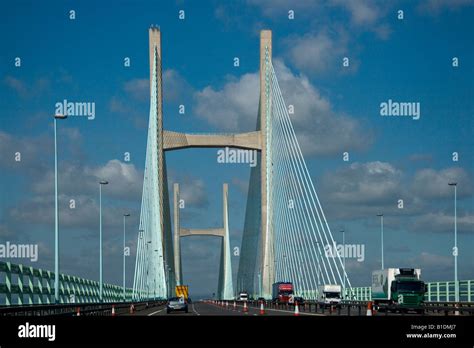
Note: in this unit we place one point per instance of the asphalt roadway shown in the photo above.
(211, 309)
(203, 308)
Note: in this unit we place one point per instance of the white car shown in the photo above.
(243, 296)
(177, 304)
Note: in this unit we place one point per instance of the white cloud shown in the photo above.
(362, 12)
(232, 108)
(317, 52)
(31, 151)
(433, 262)
(36, 152)
(360, 190)
(370, 185)
(125, 181)
(429, 183)
(138, 88)
(39, 211)
(319, 129)
(28, 89)
(280, 8)
(175, 87)
(192, 190)
(443, 223)
(17, 85)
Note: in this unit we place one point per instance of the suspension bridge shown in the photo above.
(285, 228)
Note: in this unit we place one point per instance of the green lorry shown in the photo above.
(398, 289)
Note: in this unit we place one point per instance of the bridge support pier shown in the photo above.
(267, 264)
(225, 286)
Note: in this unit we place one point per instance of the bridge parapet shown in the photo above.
(25, 285)
(437, 292)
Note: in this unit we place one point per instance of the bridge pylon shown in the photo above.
(225, 288)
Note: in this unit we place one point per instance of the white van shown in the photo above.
(243, 296)
(329, 294)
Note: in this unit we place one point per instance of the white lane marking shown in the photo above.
(195, 311)
(281, 310)
(156, 312)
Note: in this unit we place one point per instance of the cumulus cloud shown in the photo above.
(362, 189)
(365, 189)
(433, 266)
(441, 222)
(31, 150)
(26, 90)
(234, 107)
(192, 190)
(363, 15)
(16, 85)
(175, 87)
(372, 183)
(125, 181)
(429, 183)
(320, 130)
(280, 8)
(138, 88)
(317, 52)
(362, 12)
(36, 153)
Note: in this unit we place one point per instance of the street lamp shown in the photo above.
(56, 213)
(101, 285)
(381, 234)
(124, 216)
(344, 263)
(455, 248)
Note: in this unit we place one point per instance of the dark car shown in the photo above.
(298, 299)
(261, 299)
(176, 304)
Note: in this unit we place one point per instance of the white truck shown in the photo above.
(329, 294)
(398, 287)
(243, 296)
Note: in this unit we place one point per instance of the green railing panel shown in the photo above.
(437, 292)
(31, 285)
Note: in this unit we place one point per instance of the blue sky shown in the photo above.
(336, 110)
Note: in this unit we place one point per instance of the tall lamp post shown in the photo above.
(455, 248)
(101, 285)
(344, 263)
(56, 213)
(124, 216)
(381, 236)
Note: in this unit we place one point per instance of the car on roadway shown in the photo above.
(176, 304)
(243, 296)
(299, 300)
